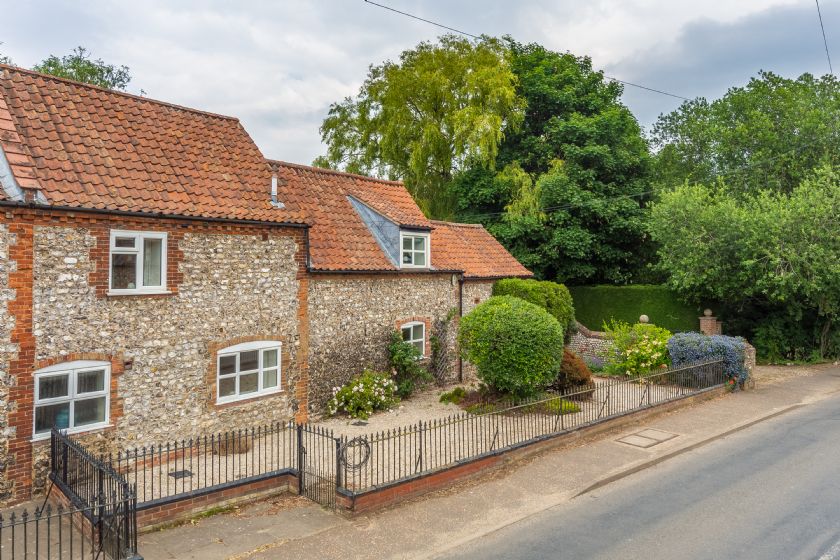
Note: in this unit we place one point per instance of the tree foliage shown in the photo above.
(79, 66)
(423, 118)
(569, 199)
(770, 134)
(776, 252)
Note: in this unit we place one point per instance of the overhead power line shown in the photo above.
(442, 26)
(825, 41)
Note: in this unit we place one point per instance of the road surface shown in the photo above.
(769, 492)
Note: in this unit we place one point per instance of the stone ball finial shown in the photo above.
(707, 312)
(644, 319)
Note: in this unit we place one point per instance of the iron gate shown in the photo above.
(318, 452)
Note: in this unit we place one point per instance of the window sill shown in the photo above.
(73, 432)
(112, 293)
(248, 398)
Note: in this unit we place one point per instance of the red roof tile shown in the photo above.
(340, 240)
(471, 248)
(88, 147)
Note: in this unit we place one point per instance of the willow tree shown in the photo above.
(424, 118)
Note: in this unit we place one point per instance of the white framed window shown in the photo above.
(414, 250)
(248, 370)
(137, 262)
(73, 396)
(415, 334)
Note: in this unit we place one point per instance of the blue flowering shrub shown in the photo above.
(689, 348)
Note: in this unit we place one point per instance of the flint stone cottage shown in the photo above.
(160, 278)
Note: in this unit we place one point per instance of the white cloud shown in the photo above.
(278, 65)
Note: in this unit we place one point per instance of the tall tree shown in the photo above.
(423, 119)
(5, 59)
(771, 252)
(579, 217)
(770, 134)
(79, 66)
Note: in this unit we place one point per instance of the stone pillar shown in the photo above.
(709, 324)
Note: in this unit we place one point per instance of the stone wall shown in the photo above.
(229, 284)
(592, 346)
(6, 350)
(233, 286)
(351, 319)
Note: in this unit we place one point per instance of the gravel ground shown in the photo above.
(391, 445)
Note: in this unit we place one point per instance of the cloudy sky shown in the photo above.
(277, 65)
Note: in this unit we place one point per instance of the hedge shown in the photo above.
(596, 305)
(551, 296)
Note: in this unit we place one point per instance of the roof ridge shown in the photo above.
(20, 70)
(334, 172)
(457, 224)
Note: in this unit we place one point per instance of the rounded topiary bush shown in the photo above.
(516, 346)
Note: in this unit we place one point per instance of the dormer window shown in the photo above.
(414, 251)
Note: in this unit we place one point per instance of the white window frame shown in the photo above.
(72, 371)
(261, 346)
(411, 341)
(427, 245)
(138, 250)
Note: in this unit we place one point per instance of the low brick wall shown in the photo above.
(397, 492)
(153, 516)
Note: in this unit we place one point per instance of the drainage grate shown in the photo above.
(647, 438)
(178, 475)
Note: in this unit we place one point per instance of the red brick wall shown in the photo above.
(22, 392)
(185, 509)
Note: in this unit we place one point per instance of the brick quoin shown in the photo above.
(21, 228)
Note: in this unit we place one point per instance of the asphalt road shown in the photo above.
(771, 491)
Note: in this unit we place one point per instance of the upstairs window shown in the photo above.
(72, 396)
(248, 370)
(138, 262)
(414, 250)
(415, 334)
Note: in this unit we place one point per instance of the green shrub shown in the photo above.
(455, 396)
(596, 305)
(363, 395)
(404, 360)
(573, 372)
(550, 406)
(639, 348)
(516, 346)
(551, 296)
(481, 408)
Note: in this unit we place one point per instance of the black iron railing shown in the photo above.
(98, 492)
(204, 464)
(391, 456)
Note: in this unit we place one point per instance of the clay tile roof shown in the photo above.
(88, 147)
(471, 248)
(339, 239)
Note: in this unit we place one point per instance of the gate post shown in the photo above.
(338, 463)
(301, 453)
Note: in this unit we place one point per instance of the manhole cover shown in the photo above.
(178, 475)
(647, 438)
